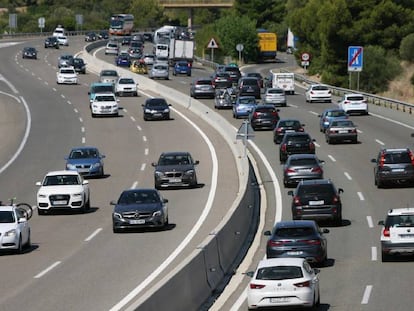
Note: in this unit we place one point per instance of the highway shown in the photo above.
(97, 273)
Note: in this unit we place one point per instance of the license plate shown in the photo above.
(60, 202)
(157, 114)
(295, 253)
(175, 180)
(279, 299)
(320, 202)
(398, 170)
(137, 222)
(343, 132)
(289, 131)
(266, 122)
(406, 236)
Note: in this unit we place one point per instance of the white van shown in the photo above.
(285, 81)
(59, 31)
(161, 50)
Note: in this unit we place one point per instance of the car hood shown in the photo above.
(60, 189)
(87, 161)
(172, 168)
(157, 108)
(6, 227)
(146, 207)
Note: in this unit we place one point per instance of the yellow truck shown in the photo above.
(267, 45)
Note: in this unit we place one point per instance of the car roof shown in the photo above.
(353, 94)
(271, 262)
(104, 94)
(7, 208)
(333, 109)
(265, 106)
(62, 172)
(396, 150)
(295, 223)
(84, 148)
(401, 211)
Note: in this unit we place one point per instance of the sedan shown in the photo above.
(295, 143)
(14, 228)
(65, 60)
(297, 238)
(283, 282)
(330, 115)
(156, 109)
(353, 103)
(63, 40)
(244, 106)
(87, 161)
(264, 117)
(108, 76)
(67, 75)
(149, 59)
(79, 65)
(286, 126)
(126, 86)
(90, 36)
(29, 52)
(318, 92)
(301, 166)
(183, 68)
(139, 208)
(340, 131)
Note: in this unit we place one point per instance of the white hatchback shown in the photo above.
(353, 103)
(63, 40)
(126, 86)
(318, 92)
(14, 228)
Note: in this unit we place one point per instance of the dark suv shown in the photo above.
(317, 199)
(234, 73)
(249, 86)
(295, 143)
(264, 117)
(51, 42)
(394, 166)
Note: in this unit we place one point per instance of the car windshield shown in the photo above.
(315, 189)
(294, 232)
(139, 197)
(59, 180)
(78, 61)
(174, 160)
(304, 161)
(7, 217)
(105, 98)
(126, 81)
(400, 221)
(83, 153)
(279, 273)
(102, 89)
(156, 102)
(67, 71)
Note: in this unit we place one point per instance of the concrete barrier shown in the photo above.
(191, 285)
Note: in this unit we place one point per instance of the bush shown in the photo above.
(407, 48)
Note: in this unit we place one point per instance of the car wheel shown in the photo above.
(102, 172)
(93, 115)
(20, 245)
(28, 244)
(166, 223)
(285, 183)
(328, 140)
(378, 183)
(338, 221)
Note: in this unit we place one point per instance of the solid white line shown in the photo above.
(93, 234)
(332, 158)
(126, 111)
(9, 84)
(367, 293)
(132, 118)
(361, 196)
(144, 138)
(37, 276)
(207, 208)
(379, 142)
(146, 151)
(374, 254)
(347, 175)
(370, 222)
(143, 165)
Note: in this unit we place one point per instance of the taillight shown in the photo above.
(296, 200)
(386, 231)
(279, 130)
(335, 199)
(316, 170)
(301, 129)
(346, 102)
(271, 243)
(275, 114)
(411, 157)
(283, 147)
(382, 160)
(303, 284)
(256, 114)
(311, 242)
(289, 170)
(311, 146)
(256, 286)
(353, 131)
(325, 119)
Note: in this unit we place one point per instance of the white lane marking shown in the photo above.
(139, 128)
(83, 140)
(132, 118)
(361, 196)
(39, 78)
(146, 151)
(144, 138)
(367, 293)
(76, 110)
(359, 131)
(317, 145)
(9, 84)
(80, 120)
(315, 113)
(134, 185)
(93, 234)
(46, 83)
(332, 158)
(347, 175)
(379, 142)
(294, 106)
(39, 275)
(374, 253)
(62, 95)
(143, 165)
(194, 229)
(391, 120)
(54, 89)
(370, 222)
(83, 129)
(69, 102)
(126, 111)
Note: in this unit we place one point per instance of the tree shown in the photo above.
(407, 48)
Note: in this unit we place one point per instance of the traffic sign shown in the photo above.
(212, 44)
(41, 21)
(245, 131)
(355, 58)
(305, 57)
(239, 47)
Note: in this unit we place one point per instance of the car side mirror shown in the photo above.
(22, 219)
(381, 223)
(38, 183)
(322, 161)
(112, 202)
(319, 115)
(374, 160)
(249, 273)
(340, 190)
(290, 192)
(154, 164)
(267, 233)
(196, 162)
(316, 271)
(324, 230)
(165, 200)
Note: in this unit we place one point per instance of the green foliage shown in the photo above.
(412, 80)
(407, 48)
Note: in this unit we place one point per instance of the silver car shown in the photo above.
(112, 48)
(108, 76)
(159, 71)
(275, 96)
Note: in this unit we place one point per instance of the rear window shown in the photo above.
(315, 189)
(342, 123)
(276, 91)
(265, 109)
(249, 82)
(279, 273)
(204, 82)
(400, 221)
(299, 162)
(320, 88)
(290, 124)
(336, 113)
(298, 138)
(294, 232)
(400, 157)
(109, 73)
(355, 98)
(247, 101)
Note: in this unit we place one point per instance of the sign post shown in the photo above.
(305, 57)
(212, 45)
(355, 62)
(41, 22)
(239, 48)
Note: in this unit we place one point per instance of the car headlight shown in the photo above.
(157, 213)
(10, 233)
(147, 110)
(117, 215)
(166, 110)
(159, 174)
(96, 165)
(79, 194)
(43, 196)
(190, 172)
(71, 166)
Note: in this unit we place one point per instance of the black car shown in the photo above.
(297, 238)
(156, 109)
(29, 52)
(248, 86)
(234, 73)
(103, 35)
(51, 42)
(90, 37)
(126, 40)
(175, 169)
(148, 36)
(295, 143)
(301, 167)
(79, 65)
(264, 117)
(257, 75)
(286, 126)
(317, 199)
(221, 80)
(394, 166)
(138, 208)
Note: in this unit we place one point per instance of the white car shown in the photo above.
(112, 47)
(353, 103)
(126, 86)
(159, 71)
(104, 104)
(318, 92)
(14, 228)
(67, 75)
(283, 282)
(63, 190)
(397, 234)
(63, 40)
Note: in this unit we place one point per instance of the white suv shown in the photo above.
(353, 103)
(66, 75)
(397, 234)
(104, 104)
(63, 190)
(14, 228)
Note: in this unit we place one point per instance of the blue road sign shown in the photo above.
(355, 57)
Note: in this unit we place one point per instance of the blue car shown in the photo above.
(243, 106)
(329, 115)
(87, 161)
(182, 68)
(123, 60)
